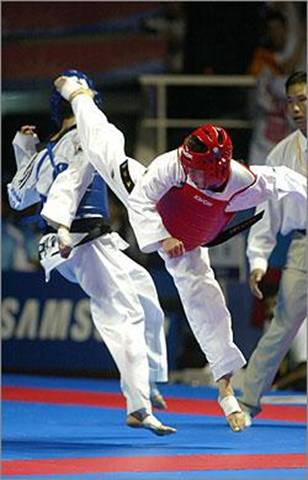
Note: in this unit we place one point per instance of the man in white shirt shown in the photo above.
(183, 200)
(283, 216)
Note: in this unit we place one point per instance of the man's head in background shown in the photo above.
(296, 89)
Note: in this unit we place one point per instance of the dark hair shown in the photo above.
(296, 77)
(196, 145)
(65, 109)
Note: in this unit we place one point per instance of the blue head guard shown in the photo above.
(57, 103)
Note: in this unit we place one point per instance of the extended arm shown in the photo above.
(22, 189)
(262, 239)
(272, 183)
(262, 236)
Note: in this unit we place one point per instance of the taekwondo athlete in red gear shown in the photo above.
(123, 299)
(238, 189)
(190, 194)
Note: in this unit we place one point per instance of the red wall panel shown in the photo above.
(22, 60)
(18, 16)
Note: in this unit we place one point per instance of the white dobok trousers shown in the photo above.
(126, 312)
(206, 311)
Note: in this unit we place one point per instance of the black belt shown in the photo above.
(86, 225)
(95, 227)
(300, 232)
(82, 225)
(235, 230)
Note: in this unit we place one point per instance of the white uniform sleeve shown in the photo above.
(24, 148)
(262, 237)
(67, 191)
(271, 183)
(164, 173)
(22, 189)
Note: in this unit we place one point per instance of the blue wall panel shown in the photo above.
(48, 327)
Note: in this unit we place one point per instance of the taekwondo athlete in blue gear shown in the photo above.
(123, 299)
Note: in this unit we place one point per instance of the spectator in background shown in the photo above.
(171, 25)
(286, 216)
(283, 51)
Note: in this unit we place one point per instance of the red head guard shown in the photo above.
(213, 156)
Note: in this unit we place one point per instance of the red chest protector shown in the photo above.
(192, 216)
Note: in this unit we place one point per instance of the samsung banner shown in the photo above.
(47, 328)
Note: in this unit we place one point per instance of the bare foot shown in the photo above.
(236, 421)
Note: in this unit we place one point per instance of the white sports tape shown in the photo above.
(151, 421)
(71, 87)
(229, 405)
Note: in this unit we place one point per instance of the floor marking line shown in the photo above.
(152, 464)
(116, 400)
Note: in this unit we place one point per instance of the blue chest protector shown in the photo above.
(94, 203)
(95, 200)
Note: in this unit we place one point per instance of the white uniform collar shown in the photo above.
(302, 139)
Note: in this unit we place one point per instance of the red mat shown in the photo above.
(116, 400)
(152, 464)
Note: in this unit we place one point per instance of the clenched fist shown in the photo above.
(65, 241)
(173, 247)
(28, 130)
(70, 87)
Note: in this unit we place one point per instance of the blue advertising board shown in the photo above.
(47, 327)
